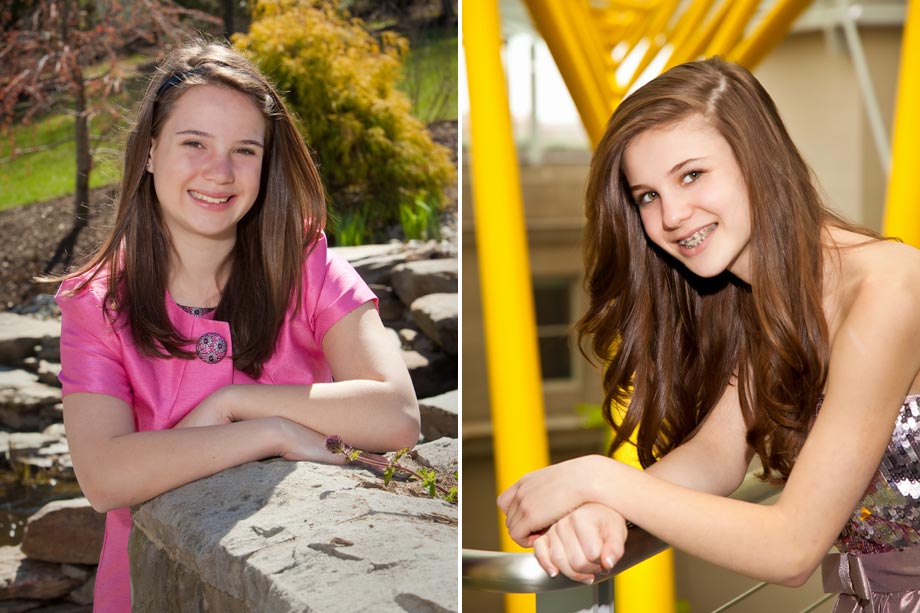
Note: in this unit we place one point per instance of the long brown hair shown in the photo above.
(265, 265)
(671, 341)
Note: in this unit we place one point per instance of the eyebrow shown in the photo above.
(674, 169)
(245, 141)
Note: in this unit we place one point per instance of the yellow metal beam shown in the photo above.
(769, 33)
(902, 213)
(698, 41)
(580, 57)
(730, 32)
(515, 388)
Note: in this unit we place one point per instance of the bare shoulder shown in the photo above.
(873, 283)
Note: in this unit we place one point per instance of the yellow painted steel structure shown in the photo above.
(591, 42)
(902, 210)
(515, 392)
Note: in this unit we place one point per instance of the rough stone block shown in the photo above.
(415, 279)
(47, 453)
(432, 373)
(374, 263)
(437, 316)
(439, 415)
(283, 536)
(65, 531)
(388, 305)
(22, 397)
(19, 335)
(24, 578)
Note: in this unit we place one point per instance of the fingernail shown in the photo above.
(553, 574)
(609, 561)
(589, 581)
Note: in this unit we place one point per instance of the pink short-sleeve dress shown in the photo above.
(98, 356)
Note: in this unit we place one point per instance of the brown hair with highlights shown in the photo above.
(672, 342)
(265, 265)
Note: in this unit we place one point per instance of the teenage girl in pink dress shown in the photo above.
(736, 315)
(214, 327)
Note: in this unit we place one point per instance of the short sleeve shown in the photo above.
(332, 288)
(91, 357)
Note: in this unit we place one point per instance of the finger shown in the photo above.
(560, 557)
(614, 544)
(541, 552)
(587, 529)
(575, 553)
(505, 498)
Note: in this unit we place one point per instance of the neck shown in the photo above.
(198, 271)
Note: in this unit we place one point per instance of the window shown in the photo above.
(553, 303)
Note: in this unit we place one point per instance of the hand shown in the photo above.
(586, 542)
(543, 497)
(212, 411)
(299, 443)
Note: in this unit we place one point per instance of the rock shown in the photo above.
(389, 306)
(46, 452)
(439, 415)
(22, 397)
(48, 373)
(411, 337)
(24, 578)
(374, 262)
(432, 373)
(84, 594)
(437, 315)
(19, 334)
(440, 455)
(66, 532)
(285, 536)
(415, 279)
(19, 606)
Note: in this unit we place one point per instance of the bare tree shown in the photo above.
(64, 55)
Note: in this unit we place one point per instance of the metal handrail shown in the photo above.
(512, 573)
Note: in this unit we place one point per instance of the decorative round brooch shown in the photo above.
(211, 348)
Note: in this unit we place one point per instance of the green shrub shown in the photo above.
(374, 156)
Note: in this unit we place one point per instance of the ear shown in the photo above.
(149, 166)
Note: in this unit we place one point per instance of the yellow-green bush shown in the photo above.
(374, 156)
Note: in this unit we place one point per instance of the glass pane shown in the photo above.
(552, 303)
(555, 357)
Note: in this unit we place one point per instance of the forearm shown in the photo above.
(760, 541)
(131, 468)
(369, 415)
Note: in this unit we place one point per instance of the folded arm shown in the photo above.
(371, 403)
(874, 363)
(118, 467)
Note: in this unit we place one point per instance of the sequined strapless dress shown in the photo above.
(878, 567)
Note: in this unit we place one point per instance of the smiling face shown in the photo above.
(207, 163)
(691, 196)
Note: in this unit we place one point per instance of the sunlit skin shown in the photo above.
(685, 180)
(207, 163)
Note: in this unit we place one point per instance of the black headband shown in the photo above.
(178, 78)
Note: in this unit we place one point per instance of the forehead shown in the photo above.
(216, 110)
(657, 150)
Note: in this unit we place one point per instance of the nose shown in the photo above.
(675, 210)
(219, 169)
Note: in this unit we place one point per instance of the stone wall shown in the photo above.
(54, 566)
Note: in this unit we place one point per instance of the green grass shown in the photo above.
(52, 173)
(43, 175)
(430, 76)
